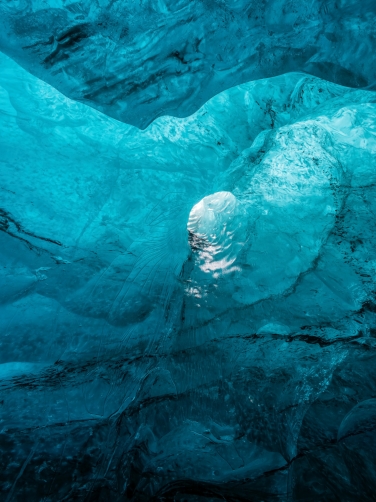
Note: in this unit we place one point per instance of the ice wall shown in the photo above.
(140, 59)
(188, 312)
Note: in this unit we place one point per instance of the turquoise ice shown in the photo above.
(188, 309)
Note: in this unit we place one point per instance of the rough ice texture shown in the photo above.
(188, 312)
(138, 59)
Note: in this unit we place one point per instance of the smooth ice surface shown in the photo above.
(136, 60)
(187, 312)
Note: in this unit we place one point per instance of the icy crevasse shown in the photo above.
(188, 311)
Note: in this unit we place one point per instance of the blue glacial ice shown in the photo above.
(136, 60)
(188, 311)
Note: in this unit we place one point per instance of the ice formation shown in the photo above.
(136, 60)
(187, 311)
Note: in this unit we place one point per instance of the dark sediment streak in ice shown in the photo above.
(138, 60)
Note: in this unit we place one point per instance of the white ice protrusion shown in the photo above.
(216, 225)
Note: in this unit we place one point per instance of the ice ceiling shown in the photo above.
(188, 310)
(136, 60)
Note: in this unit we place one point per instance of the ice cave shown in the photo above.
(188, 250)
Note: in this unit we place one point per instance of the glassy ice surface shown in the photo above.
(188, 312)
(136, 60)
